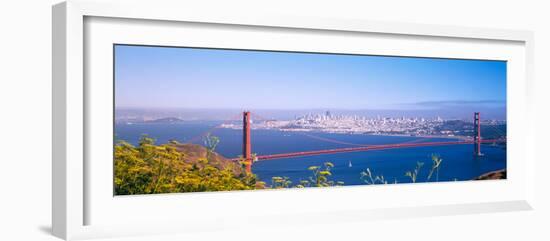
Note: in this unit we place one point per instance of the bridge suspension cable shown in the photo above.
(330, 140)
(209, 131)
(497, 130)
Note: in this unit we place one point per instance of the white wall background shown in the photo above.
(25, 119)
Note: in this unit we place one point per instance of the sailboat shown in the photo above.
(349, 164)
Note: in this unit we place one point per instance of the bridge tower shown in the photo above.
(477, 135)
(247, 147)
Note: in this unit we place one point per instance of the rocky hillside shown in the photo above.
(193, 153)
(500, 174)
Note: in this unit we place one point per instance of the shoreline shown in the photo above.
(370, 134)
(493, 175)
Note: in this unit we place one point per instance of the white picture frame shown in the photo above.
(75, 201)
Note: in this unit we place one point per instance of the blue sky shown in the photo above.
(164, 77)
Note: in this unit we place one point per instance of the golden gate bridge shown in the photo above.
(248, 159)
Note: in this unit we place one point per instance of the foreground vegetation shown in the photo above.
(369, 178)
(149, 168)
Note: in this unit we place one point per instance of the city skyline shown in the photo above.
(192, 78)
(281, 114)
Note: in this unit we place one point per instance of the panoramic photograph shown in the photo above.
(204, 119)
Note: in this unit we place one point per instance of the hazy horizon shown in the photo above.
(282, 114)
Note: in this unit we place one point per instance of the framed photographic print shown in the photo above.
(205, 119)
(164, 120)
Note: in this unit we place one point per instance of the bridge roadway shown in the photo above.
(368, 148)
